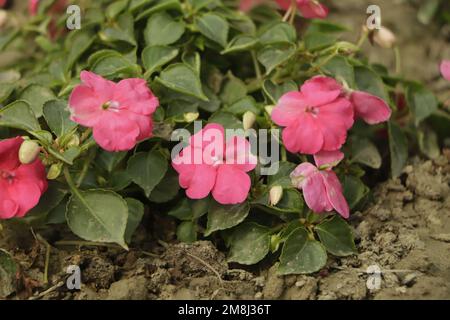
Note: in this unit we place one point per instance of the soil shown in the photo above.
(405, 233)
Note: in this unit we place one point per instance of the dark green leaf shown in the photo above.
(336, 235)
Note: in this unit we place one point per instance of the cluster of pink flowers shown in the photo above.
(316, 120)
(309, 9)
(213, 164)
(119, 113)
(21, 185)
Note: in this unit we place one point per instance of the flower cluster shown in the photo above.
(316, 120)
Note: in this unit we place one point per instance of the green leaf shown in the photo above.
(121, 30)
(114, 66)
(368, 81)
(8, 274)
(181, 78)
(282, 177)
(428, 142)
(57, 116)
(422, 102)
(214, 28)
(36, 96)
(55, 193)
(275, 91)
(336, 235)
(365, 152)
(233, 90)
(135, 214)
(221, 217)
(187, 232)
(20, 116)
(167, 189)
(340, 68)
(240, 43)
(162, 30)
(279, 32)
(398, 147)
(147, 169)
(154, 57)
(77, 43)
(5, 90)
(163, 5)
(354, 190)
(115, 8)
(428, 10)
(318, 40)
(182, 210)
(272, 57)
(109, 160)
(98, 215)
(243, 105)
(250, 243)
(226, 119)
(301, 254)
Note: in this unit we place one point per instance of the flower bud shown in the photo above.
(191, 116)
(269, 109)
(3, 18)
(383, 37)
(248, 119)
(74, 141)
(275, 195)
(54, 171)
(28, 152)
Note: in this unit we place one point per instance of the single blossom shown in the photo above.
(370, 108)
(119, 113)
(445, 69)
(310, 9)
(21, 185)
(213, 164)
(315, 118)
(321, 188)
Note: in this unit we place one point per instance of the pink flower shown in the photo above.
(119, 113)
(445, 69)
(212, 164)
(310, 9)
(21, 185)
(370, 108)
(33, 6)
(321, 188)
(316, 118)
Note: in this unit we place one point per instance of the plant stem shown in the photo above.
(398, 61)
(85, 169)
(86, 244)
(256, 65)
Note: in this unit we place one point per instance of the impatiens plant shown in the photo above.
(251, 123)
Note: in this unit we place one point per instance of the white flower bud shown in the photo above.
(248, 119)
(269, 109)
(190, 116)
(3, 17)
(384, 37)
(275, 195)
(28, 152)
(74, 141)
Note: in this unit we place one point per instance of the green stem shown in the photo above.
(256, 65)
(398, 61)
(293, 12)
(283, 154)
(85, 169)
(70, 183)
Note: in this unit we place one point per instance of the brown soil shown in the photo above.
(405, 232)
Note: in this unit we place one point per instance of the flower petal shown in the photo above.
(135, 96)
(232, 185)
(321, 90)
(238, 154)
(102, 87)
(370, 108)
(328, 158)
(85, 106)
(116, 131)
(301, 173)
(303, 136)
(290, 107)
(315, 194)
(445, 69)
(9, 153)
(25, 194)
(334, 193)
(198, 180)
(312, 9)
